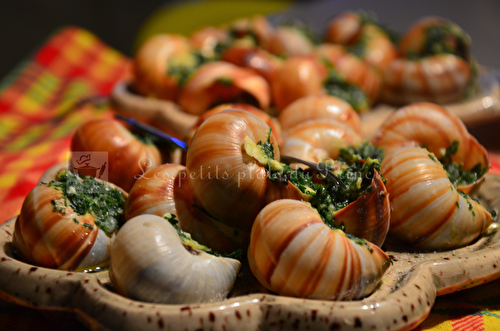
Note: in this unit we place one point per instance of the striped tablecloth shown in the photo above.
(57, 88)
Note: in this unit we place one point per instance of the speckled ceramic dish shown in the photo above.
(401, 302)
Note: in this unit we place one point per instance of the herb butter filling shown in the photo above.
(455, 171)
(86, 195)
(355, 167)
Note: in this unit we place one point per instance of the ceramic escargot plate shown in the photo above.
(404, 298)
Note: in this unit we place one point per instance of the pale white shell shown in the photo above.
(150, 263)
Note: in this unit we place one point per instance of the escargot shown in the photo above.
(128, 156)
(150, 262)
(319, 106)
(442, 133)
(292, 252)
(69, 223)
(222, 82)
(165, 190)
(428, 212)
(227, 168)
(364, 37)
(162, 64)
(436, 65)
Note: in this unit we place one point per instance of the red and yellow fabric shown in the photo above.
(49, 94)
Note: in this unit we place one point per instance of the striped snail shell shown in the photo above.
(292, 252)
(165, 190)
(319, 139)
(150, 263)
(50, 233)
(222, 82)
(428, 212)
(152, 63)
(128, 157)
(436, 128)
(227, 182)
(319, 106)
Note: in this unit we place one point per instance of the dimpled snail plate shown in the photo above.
(410, 284)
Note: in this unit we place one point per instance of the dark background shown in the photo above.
(25, 25)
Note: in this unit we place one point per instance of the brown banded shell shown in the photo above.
(293, 253)
(428, 212)
(270, 121)
(59, 239)
(319, 139)
(316, 107)
(228, 183)
(441, 78)
(436, 128)
(127, 156)
(222, 82)
(151, 65)
(354, 70)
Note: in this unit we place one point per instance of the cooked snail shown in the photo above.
(348, 72)
(364, 37)
(316, 107)
(428, 212)
(69, 223)
(270, 121)
(162, 64)
(443, 134)
(309, 260)
(128, 156)
(437, 65)
(319, 139)
(227, 178)
(149, 262)
(165, 190)
(222, 82)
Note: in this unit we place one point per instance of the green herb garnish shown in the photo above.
(86, 195)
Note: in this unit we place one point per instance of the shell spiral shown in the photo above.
(150, 263)
(292, 252)
(427, 210)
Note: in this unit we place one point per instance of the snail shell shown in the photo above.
(348, 29)
(354, 70)
(344, 29)
(127, 156)
(299, 76)
(427, 211)
(262, 62)
(165, 189)
(316, 107)
(221, 82)
(441, 78)
(435, 127)
(292, 252)
(59, 240)
(271, 121)
(290, 41)
(150, 263)
(319, 139)
(443, 72)
(223, 177)
(151, 65)
(369, 216)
